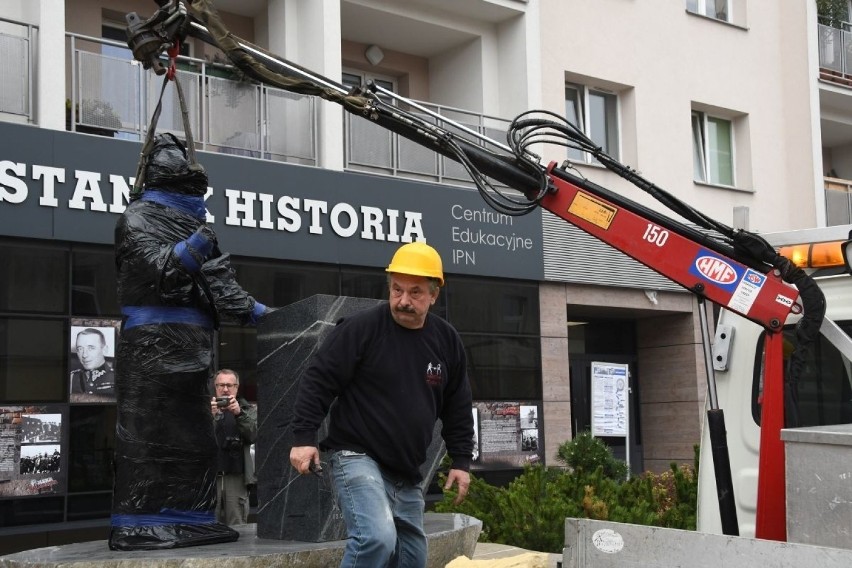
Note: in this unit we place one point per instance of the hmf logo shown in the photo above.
(716, 269)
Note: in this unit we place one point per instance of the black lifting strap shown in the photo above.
(139, 183)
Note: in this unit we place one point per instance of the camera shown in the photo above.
(223, 401)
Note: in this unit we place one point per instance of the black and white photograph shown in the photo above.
(92, 360)
(39, 458)
(529, 440)
(40, 428)
(529, 417)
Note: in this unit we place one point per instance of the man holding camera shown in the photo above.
(236, 429)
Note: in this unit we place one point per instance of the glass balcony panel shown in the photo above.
(15, 73)
(830, 48)
(417, 159)
(369, 144)
(290, 131)
(847, 50)
(171, 119)
(233, 122)
(452, 169)
(108, 92)
(838, 207)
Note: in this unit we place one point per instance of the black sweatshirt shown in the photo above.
(391, 384)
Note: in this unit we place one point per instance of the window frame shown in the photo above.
(384, 81)
(701, 7)
(581, 103)
(705, 163)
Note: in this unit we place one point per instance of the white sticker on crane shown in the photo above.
(607, 540)
(747, 290)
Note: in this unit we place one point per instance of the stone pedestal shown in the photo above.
(449, 536)
(290, 506)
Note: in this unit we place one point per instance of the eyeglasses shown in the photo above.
(226, 385)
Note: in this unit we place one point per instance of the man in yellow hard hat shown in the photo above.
(394, 369)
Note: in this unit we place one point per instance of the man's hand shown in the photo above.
(301, 458)
(233, 406)
(460, 478)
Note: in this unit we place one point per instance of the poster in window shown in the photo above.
(30, 451)
(508, 434)
(92, 360)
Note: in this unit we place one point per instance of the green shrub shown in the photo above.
(585, 453)
(530, 511)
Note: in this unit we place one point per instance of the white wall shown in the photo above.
(674, 60)
(456, 77)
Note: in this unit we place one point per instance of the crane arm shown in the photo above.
(734, 269)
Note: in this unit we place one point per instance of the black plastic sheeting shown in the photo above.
(174, 284)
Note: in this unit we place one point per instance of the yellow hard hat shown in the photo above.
(417, 259)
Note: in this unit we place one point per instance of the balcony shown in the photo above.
(17, 44)
(835, 54)
(109, 94)
(373, 149)
(112, 95)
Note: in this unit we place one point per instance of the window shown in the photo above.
(34, 278)
(488, 306)
(595, 112)
(822, 396)
(503, 367)
(93, 289)
(32, 360)
(712, 149)
(718, 9)
(352, 78)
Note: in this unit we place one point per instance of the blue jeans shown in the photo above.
(383, 515)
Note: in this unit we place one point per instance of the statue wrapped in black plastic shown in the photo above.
(174, 284)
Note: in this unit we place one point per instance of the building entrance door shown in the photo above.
(617, 338)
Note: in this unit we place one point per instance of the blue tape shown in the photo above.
(189, 204)
(154, 315)
(164, 517)
(257, 311)
(186, 259)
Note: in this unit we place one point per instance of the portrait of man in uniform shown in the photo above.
(93, 378)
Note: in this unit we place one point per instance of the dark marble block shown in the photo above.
(290, 506)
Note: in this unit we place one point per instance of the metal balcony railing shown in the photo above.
(372, 148)
(17, 48)
(835, 48)
(838, 201)
(111, 94)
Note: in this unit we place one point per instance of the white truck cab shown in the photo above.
(822, 397)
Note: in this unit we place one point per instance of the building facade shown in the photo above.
(721, 103)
